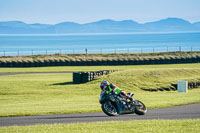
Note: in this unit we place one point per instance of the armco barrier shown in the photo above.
(84, 77)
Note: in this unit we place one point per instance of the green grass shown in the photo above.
(136, 126)
(96, 68)
(41, 94)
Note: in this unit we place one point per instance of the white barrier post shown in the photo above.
(182, 86)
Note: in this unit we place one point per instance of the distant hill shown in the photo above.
(102, 26)
(18, 27)
(170, 24)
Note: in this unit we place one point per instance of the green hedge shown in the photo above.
(97, 63)
(98, 60)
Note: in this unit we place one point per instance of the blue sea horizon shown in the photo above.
(34, 44)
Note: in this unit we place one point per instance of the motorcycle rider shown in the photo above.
(111, 87)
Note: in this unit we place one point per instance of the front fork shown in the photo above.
(119, 106)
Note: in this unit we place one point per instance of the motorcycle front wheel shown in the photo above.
(140, 108)
(109, 109)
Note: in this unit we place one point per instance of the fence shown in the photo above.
(23, 52)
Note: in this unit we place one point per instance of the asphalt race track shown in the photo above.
(179, 112)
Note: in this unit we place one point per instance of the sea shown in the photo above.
(35, 44)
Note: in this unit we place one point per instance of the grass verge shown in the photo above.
(97, 68)
(136, 126)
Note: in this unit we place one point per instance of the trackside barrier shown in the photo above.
(174, 87)
(84, 77)
(182, 86)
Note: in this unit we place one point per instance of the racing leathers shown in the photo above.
(113, 88)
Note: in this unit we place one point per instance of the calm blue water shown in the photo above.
(97, 43)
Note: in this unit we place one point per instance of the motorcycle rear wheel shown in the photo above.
(140, 109)
(109, 109)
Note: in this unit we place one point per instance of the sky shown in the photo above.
(85, 11)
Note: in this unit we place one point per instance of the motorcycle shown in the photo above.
(112, 104)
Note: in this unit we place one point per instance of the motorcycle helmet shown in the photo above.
(104, 85)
